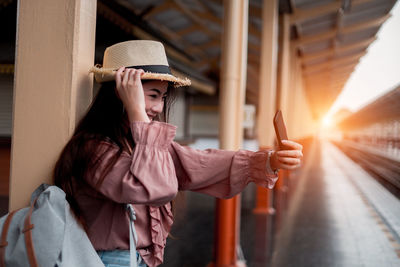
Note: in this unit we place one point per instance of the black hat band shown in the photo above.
(153, 68)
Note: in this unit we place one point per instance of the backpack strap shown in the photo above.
(132, 235)
(28, 226)
(3, 238)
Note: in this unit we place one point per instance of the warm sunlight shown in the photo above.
(327, 122)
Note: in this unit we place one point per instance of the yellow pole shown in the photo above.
(283, 99)
(232, 95)
(267, 96)
(52, 88)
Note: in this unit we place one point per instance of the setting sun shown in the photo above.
(327, 121)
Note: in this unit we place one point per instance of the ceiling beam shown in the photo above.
(301, 15)
(194, 17)
(366, 24)
(189, 29)
(207, 61)
(337, 50)
(203, 47)
(328, 80)
(326, 76)
(207, 14)
(197, 19)
(346, 69)
(350, 66)
(347, 29)
(316, 38)
(335, 63)
(329, 68)
(172, 35)
(167, 5)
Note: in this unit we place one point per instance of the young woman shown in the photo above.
(122, 152)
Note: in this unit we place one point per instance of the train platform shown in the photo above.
(339, 216)
(336, 214)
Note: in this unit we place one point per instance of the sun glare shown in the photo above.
(327, 122)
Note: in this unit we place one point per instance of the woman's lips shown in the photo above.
(151, 117)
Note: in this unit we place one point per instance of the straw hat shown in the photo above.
(139, 54)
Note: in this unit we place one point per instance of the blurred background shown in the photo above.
(331, 66)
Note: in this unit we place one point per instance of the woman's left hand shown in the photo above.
(287, 159)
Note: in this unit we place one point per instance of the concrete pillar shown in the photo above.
(267, 95)
(52, 88)
(232, 97)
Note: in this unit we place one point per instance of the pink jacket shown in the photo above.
(150, 178)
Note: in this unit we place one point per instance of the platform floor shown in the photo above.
(334, 221)
(335, 215)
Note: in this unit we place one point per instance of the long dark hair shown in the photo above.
(107, 120)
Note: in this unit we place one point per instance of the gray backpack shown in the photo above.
(46, 234)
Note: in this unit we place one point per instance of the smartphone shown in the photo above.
(280, 129)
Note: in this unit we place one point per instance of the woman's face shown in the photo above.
(155, 93)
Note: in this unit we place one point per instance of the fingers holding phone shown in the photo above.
(290, 154)
(288, 159)
(291, 157)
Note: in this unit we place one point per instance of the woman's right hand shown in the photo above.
(130, 90)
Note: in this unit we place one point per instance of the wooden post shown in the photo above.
(52, 87)
(232, 95)
(267, 96)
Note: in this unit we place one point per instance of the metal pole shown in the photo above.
(232, 91)
(267, 96)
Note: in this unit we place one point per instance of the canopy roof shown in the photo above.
(330, 37)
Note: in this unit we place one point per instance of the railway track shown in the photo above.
(385, 170)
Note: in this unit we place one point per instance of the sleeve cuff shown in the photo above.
(153, 133)
(268, 165)
(258, 172)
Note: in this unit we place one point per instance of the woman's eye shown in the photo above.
(153, 96)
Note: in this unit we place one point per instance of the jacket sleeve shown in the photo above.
(147, 176)
(220, 173)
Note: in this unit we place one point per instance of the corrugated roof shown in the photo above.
(331, 38)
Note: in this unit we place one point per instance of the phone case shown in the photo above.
(280, 129)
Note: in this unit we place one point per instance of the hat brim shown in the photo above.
(107, 75)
